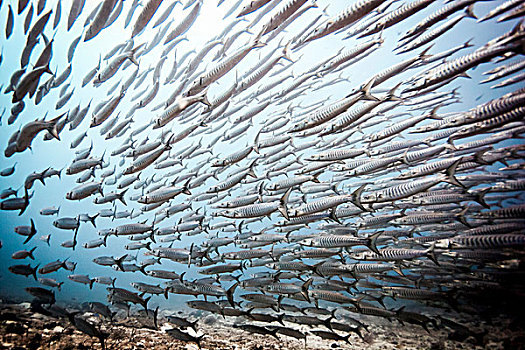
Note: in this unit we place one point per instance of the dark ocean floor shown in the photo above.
(21, 327)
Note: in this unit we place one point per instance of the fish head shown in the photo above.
(217, 163)
(272, 266)
(421, 200)
(360, 256)
(293, 212)
(406, 175)
(399, 221)
(309, 242)
(69, 195)
(10, 149)
(272, 187)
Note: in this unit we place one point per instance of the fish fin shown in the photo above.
(372, 240)
(333, 215)
(315, 176)
(283, 207)
(34, 272)
(304, 289)
(469, 12)
(451, 174)
(121, 196)
(430, 253)
(480, 197)
(356, 197)
(365, 90)
(146, 304)
(31, 253)
(461, 217)
(230, 292)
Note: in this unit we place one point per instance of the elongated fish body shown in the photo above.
(348, 16)
(221, 68)
(455, 67)
(426, 38)
(114, 65)
(100, 19)
(28, 80)
(100, 117)
(165, 14)
(185, 24)
(146, 160)
(10, 23)
(74, 12)
(30, 130)
(84, 191)
(145, 16)
(397, 15)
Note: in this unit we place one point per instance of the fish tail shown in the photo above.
(304, 289)
(480, 197)
(461, 217)
(283, 207)
(155, 317)
(469, 12)
(356, 197)
(333, 215)
(121, 196)
(203, 97)
(431, 254)
(372, 241)
(286, 53)
(34, 272)
(230, 292)
(145, 303)
(365, 90)
(451, 174)
(52, 127)
(31, 253)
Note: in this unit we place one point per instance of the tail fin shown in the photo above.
(131, 55)
(185, 188)
(469, 12)
(283, 207)
(52, 126)
(92, 219)
(304, 289)
(451, 174)
(33, 232)
(430, 253)
(365, 90)
(34, 272)
(372, 240)
(286, 53)
(31, 253)
(230, 292)
(155, 317)
(356, 197)
(480, 197)
(121, 196)
(145, 304)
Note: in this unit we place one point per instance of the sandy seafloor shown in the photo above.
(21, 328)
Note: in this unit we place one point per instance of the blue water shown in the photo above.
(58, 155)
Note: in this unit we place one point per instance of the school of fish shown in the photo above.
(293, 210)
